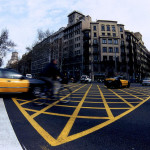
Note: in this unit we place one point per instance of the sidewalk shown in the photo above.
(8, 139)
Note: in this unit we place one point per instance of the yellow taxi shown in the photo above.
(116, 82)
(13, 82)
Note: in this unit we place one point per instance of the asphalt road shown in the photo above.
(97, 118)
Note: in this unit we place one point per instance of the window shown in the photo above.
(116, 49)
(115, 41)
(95, 41)
(95, 49)
(110, 50)
(104, 58)
(86, 34)
(94, 27)
(109, 41)
(121, 29)
(108, 34)
(77, 52)
(77, 45)
(104, 49)
(113, 28)
(108, 27)
(128, 37)
(95, 35)
(103, 34)
(121, 35)
(95, 57)
(11, 75)
(122, 42)
(103, 27)
(104, 41)
(122, 49)
(95, 67)
(114, 34)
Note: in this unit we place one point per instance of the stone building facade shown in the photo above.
(96, 48)
(13, 59)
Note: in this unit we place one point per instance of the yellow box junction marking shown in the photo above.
(138, 92)
(106, 105)
(122, 98)
(71, 121)
(132, 95)
(64, 135)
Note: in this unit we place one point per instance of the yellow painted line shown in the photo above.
(93, 98)
(132, 95)
(53, 104)
(71, 121)
(37, 127)
(138, 92)
(105, 104)
(66, 106)
(48, 113)
(95, 128)
(65, 115)
(120, 102)
(76, 97)
(75, 101)
(109, 95)
(119, 108)
(53, 142)
(112, 98)
(29, 101)
(72, 86)
(93, 95)
(93, 117)
(92, 102)
(78, 93)
(122, 98)
(131, 98)
(93, 107)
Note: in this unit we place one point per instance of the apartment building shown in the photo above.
(40, 56)
(73, 44)
(138, 57)
(105, 56)
(97, 48)
(43, 52)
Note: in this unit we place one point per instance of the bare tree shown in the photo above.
(40, 35)
(43, 34)
(28, 49)
(5, 45)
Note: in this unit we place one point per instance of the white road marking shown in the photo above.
(8, 139)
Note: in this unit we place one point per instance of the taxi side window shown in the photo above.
(11, 75)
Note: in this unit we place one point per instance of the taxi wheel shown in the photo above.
(120, 85)
(36, 91)
(108, 86)
(128, 85)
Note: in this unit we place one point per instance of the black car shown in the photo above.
(116, 82)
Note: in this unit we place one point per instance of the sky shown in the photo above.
(22, 18)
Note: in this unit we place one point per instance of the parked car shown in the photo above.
(146, 81)
(116, 82)
(85, 79)
(13, 82)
